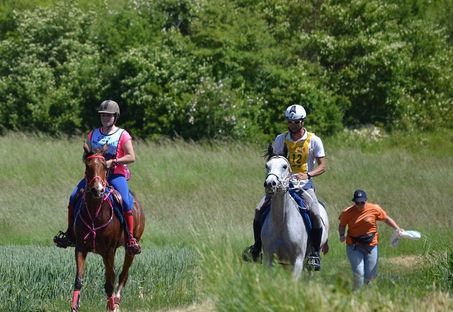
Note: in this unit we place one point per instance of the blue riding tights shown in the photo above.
(118, 181)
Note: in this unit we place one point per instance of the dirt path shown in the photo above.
(206, 306)
(405, 261)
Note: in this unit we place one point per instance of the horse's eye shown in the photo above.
(267, 167)
(285, 167)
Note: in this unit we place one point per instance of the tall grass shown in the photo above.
(199, 201)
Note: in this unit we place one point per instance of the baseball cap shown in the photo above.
(359, 196)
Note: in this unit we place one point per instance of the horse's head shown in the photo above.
(278, 172)
(95, 171)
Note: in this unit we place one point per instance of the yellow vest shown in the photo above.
(298, 154)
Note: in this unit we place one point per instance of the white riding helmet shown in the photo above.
(295, 112)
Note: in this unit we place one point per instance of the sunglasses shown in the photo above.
(106, 114)
(360, 203)
(295, 121)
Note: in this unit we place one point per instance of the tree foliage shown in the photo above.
(225, 69)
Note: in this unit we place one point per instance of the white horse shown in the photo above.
(284, 234)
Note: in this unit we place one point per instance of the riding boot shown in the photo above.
(132, 246)
(314, 260)
(254, 251)
(66, 239)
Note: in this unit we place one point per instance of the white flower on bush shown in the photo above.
(367, 133)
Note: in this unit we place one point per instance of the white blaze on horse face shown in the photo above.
(96, 179)
(98, 186)
(278, 171)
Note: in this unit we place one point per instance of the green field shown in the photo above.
(199, 201)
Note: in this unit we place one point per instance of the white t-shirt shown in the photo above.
(316, 148)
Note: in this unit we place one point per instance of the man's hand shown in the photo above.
(302, 176)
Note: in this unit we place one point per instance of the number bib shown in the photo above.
(298, 154)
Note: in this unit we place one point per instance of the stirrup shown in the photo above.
(314, 262)
(63, 240)
(132, 247)
(252, 254)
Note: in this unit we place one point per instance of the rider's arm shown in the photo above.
(127, 158)
(341, 232)
(320, 169)
(129, 154)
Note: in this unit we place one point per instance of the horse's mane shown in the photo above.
(271, 153)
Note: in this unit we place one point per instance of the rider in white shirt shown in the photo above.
(307, 158)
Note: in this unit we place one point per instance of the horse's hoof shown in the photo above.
(115, 308)
(113, 304)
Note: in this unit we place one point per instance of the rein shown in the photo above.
(92, 229)
(284, 183)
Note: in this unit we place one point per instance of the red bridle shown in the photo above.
(96, 177)
(105, 197)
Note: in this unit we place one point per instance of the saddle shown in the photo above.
(302, 210)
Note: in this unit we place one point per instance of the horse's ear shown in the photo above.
(270, 151)
(285, 151)
(86, 150)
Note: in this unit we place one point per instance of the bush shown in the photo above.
(203, 70)
(49, 71)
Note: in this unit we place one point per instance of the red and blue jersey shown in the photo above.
(115, 142)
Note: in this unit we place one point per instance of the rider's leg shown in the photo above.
(316, 233)
(255, 249)
(67, 239)
(119, 182)
(257, 245)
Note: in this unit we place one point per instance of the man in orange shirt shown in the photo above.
(362, 239)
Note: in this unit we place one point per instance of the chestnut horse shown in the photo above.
(97, 229)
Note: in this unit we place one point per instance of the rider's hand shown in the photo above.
(110, 163)
(302, 176)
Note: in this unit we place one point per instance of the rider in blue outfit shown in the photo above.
(120, 152)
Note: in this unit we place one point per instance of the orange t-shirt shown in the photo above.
(362, 221)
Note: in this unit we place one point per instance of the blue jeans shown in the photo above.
(364, 264)
(118, 181)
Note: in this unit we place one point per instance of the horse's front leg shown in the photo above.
(109, 264)
(267, 258)
(80, 256)
(298, 267)
(128, 259)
